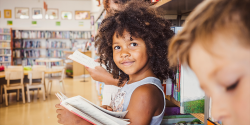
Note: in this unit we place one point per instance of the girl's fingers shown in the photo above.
(58, 106)
(97, 60)
(59, 111)
(109, 108)
(59, 116)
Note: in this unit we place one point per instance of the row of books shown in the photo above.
(4, 64)
(5, 37)
(5, 59)
(5, 51)
(55, 44)
(27, 44)
(4, 44)
(4, 30)
(26, 53)
(55, 53)
(53, 34)
(187, 89)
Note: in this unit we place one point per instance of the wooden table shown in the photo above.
(46, 71)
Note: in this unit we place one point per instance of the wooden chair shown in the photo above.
(36, 74)
(13, 75)
(38, 67)
(56, 78)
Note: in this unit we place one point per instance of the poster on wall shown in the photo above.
(58, 23)
(66, 15)
(21, 13)
(37, 13)
(9, 22)
(7, 14)
(52, 14)
(82, 15)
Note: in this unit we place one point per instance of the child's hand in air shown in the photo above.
(65, 117)
(107, 107)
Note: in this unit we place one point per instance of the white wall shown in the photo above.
(95, 10)
(61, 5)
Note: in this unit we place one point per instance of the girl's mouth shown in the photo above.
(127, 63)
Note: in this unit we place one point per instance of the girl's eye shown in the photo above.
(117, 47)
(232, 87)
(133, 44)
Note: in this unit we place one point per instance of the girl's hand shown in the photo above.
(65, 117)
(99, 74)
(107, 107)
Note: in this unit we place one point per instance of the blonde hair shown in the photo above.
(208, 17)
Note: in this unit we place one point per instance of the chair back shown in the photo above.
(13, 68)
(36, 74)
(62, 68)
(38, 67)
(13, 75)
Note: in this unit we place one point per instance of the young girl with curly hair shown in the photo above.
(133, 45)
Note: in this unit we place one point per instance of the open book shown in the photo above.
(84, 60)
(91, 112)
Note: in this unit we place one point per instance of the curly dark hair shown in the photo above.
(141, 21)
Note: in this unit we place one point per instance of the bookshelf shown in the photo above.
(5, 46)
(29, 45)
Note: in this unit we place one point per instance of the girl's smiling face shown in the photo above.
(130, 54)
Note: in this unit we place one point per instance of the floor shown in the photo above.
(40, 112)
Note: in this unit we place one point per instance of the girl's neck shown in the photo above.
(141, 74)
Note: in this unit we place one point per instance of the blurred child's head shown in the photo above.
(134, 39)
(215, 43)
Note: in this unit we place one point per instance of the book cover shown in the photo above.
(192, 96)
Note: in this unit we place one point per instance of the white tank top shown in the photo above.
(122, 97)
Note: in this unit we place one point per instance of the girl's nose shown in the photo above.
(125, 54)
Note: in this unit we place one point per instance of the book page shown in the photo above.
(92, 111)
(84, 60)
(62, 97)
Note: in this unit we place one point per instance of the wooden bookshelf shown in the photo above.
(5, 54)
(199, 116)
(171, 99)
(29, 48)
(6, 62)
(160, 3)
(5, 48)
(4, 33)
(5, 40)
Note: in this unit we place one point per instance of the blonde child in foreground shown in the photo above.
(215, 43)
(133, 46)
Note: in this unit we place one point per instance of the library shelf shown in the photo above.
(27, 57)
(57, 48)
(6, 62)
(160, 3)
(5, 40)
(80, 39)
(29, 48)
(4, 33)
(5, 48)
(171, 99)
(5, 54)
(199, 116)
